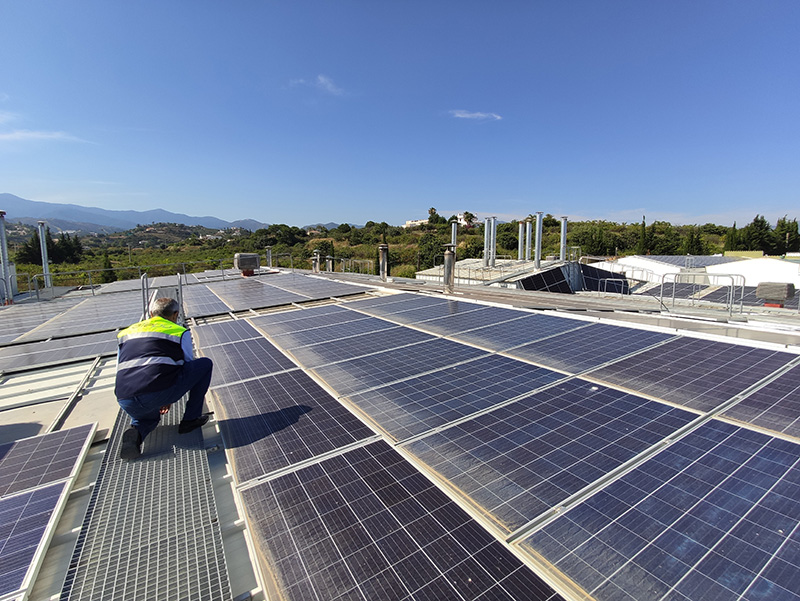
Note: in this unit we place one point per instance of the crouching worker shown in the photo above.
(155, 368)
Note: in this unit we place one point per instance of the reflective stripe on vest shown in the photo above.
(141, 362)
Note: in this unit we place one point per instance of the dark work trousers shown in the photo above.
(194, 378)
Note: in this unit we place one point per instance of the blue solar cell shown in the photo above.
(712, 516)
(23, 522)
(337, 331)
(279, 420)
(347, 377)
(520, 460)
(366, 525)
(223, 332)
(357, 346)
(198, 300)
(386, 305)
(415, 406)
(243, 294)
(421, 314)
(588, 347)
(508, 334)
(776, 406)
(305, 319)
(246, 359)
(469, 320)
(40, 460)
(58, 350)
(700, 374)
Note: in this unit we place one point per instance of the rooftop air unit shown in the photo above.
(248, 263)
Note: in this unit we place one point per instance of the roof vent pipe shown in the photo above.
(453, 232)
(521, 241)
(487, 228)
(563, 255)
(269, 257)
(538, 259)
(449, 268)
(315, 262)
(48, 282)
(493, 256)
(8, 295)
(529, 227)
(383, 260)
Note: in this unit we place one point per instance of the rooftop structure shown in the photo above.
(380, 440)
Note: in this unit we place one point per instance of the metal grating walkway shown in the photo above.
(151, 530)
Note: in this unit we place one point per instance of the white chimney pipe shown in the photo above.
(7, 292)
(538, 259)
(48, 283)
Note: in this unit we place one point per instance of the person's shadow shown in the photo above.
(242, 431)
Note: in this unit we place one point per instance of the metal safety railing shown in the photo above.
(736, 280)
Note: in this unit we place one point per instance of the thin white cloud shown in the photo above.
(21, 135)
(6, 117)
(320, 82)
(461, 114)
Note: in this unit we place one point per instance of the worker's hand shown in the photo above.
(164, 409)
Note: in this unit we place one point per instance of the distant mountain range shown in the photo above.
(72, 217)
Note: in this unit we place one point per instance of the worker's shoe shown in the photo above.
(193, 424)
(131, 444)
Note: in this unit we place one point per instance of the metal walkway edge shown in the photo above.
(151, 530)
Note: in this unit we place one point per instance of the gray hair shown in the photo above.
(164, 307)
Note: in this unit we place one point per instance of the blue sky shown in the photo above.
(308, 111)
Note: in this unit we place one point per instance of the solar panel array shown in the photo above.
(554, 430)
(58, 350)
(20, 318)
(714, 516)
(692, 261)
(35, 476)
(93, 314)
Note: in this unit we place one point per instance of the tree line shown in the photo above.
(410, 249)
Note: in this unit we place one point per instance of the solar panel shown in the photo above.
(223, 332)
(19, 319)
(366, 525)
(24, 520)
(279, 420)
(442, 309)
(243, 294)
(699, 374)
(587, 347)
(246, 359)
(397, 303)
(337, 331)
(508, 334)
(305, 319)
(93, 314)
(714, 516)
(347, 377)
(40, 460)
(199, 301)
(520, 460)
(776, 406)
(470, 320)
(357, 346)
(412, 407)
(314, 287)
(58, 350)
(294, 313)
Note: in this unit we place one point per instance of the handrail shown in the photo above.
(693, 276)
(145, 295)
